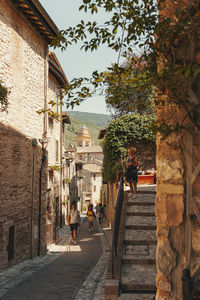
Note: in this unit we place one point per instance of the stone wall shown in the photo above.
(22, 70)
(19, 205)
(172, 168)
(109, 199)
(146, 154)
(54, 159)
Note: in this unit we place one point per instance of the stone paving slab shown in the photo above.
(138, 275)
(142, 235)
(140, 251)
(140, 220)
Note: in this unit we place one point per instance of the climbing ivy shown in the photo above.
(3, 97)
(123, 132)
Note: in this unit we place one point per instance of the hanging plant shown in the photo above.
(66, 180)
(3, 97)
(54, 168)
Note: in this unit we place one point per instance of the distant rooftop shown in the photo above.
(56, 70)
(93, 168)
(92, 149)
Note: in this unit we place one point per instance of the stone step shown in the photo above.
(139, 261)
(142, 235)
(140, 220)
(140, 209)
(139, 289)
(140, 242)
(141, 204)
(143, 192)
(137, 296)
(140, 227)
(140, 214)
(141, 198)
(138, 277)
(139, 251)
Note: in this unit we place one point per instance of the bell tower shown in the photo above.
(84, 138)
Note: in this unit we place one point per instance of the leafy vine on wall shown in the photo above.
(4, 92)
(121, 133)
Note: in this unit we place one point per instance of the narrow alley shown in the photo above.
(61, 278)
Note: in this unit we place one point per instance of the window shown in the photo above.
(94, 176)
(57, 151)
(95, 189)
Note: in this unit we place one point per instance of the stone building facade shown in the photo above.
(25, 32)
(56, 189)
(90, 158)
(92, 182)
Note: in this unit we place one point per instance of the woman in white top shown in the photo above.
(74, 221)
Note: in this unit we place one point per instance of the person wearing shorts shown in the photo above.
(74, 221)
(91, 217)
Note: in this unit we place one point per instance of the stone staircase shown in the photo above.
(138, 268)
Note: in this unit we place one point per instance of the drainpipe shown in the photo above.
(61, 166)
(44, 142)
(34, 144)
(40, 198)
(46, 55)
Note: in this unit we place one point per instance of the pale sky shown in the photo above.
(77, 63)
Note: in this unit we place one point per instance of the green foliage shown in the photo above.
(166, 35)
(123, 94)
(66, 180)
(3, 97)
(54, 168)
(121, 133)
(99, 120)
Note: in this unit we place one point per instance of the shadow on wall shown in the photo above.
(20, 164)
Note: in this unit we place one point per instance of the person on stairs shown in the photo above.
(131, 170)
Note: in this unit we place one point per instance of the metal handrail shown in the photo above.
(117, 221)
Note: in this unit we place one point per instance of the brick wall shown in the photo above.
(22, 63)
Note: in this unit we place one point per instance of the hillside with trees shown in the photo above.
(94, 122)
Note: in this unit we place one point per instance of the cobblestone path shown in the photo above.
(62, 278)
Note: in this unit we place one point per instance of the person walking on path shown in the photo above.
(100, 213)
(91, 217)
(74, 221)
(131, 170)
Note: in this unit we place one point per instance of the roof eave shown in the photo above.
(38, 17)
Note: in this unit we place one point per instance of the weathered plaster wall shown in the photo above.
(22, 63)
